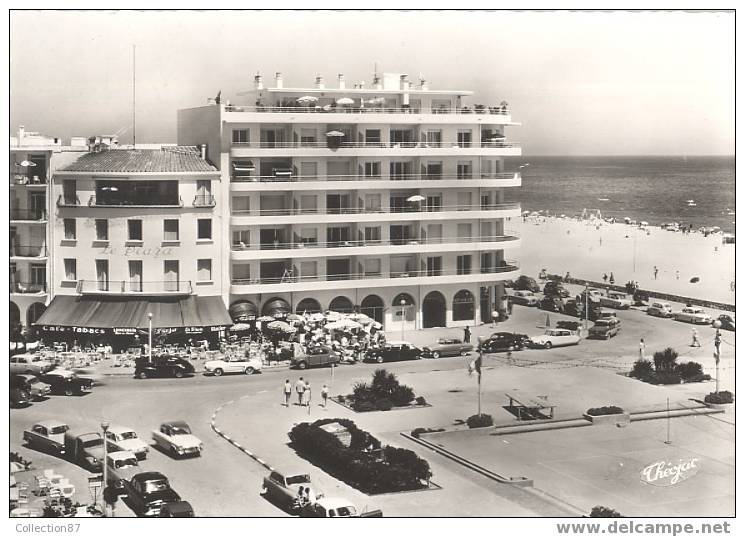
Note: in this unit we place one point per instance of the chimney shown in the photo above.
(342, 84)
(203, 151)
(278, 83)
(258, 82)
(21, 133)
(319, 82)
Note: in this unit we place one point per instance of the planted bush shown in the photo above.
(605, 411)
(667, 377)
(479, 420)
(421, 400)
(664, 361)
(421, 430)
(383, 393)
(689, 371)
(642, 370)
(719, 398)
(600, 511)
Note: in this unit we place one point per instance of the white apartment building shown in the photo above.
(390, 199)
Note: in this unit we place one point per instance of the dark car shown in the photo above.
(552, 303)
(65, 382)
(393, 351)
(36, 388)
(315, 357)
(163, 366)
(446, 347)
(727, 322)
(147, 492)
(572, 307)
(19, 392)
(554, 288)
(180, 509)
(605, 328)
(505, 341)
(526, 283)
(568, 325)
(641, 297)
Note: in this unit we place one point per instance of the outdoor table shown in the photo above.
(523, 401)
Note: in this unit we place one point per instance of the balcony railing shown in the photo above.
(204, 200)
(371, 210)
(401, 177)
(28, 215)
(152, 202)
(346, 145)
(510, 266)
(68, 201)
(121, 287)
(352, 109)
(28, 288)
(411, 241)
(34, 250)
(23, 180)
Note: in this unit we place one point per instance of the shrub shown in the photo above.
(642, 369)
(341, 398)
(689, 370)
(605, 411)
(402, 395)
(600, 511)
(699, 378)
(719, 398)
(383, 393)
(666, 378)
(480, 420)
(383, 404)
(421, 400)
(664, 361)
(364, 406)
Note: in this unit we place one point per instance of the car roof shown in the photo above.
(334, 503)
(25, 376)
(147, 476)
(399, 343)
(292, 470)
(50, 423)
(61, 372)
(120, 455)
(176, 423)
(120, 429)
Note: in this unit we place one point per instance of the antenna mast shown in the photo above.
(134, 95)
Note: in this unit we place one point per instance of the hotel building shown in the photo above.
(390, 198)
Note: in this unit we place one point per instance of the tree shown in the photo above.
(664, 361)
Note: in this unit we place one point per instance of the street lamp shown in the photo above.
(403, 318)
(150, 337)
(717, 342)
(587, 305)
(105, 427)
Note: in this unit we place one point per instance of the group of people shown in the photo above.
(304, 393)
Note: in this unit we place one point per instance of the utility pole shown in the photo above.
(668, 422)
(587, 304)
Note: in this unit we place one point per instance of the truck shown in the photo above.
(85, 449)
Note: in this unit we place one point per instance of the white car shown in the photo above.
(121, 466)
(616, 300)
(554, 337)
(29, 363)
(125, 439)
(525, 298)
(175, 437)
(660, 309)
(693, 314)
(233, 364)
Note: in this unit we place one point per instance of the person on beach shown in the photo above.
(694, 335)
(642, 348)
(605, 278)
(325, 395)
(307, 395)
(611, 280)
(300, 389)
(655, 272)
(288, 392)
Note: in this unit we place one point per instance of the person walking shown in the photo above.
(694, 338)
(306, 395)
(325, 395)
(611, 279)
(494, 318)
(288, 392)
(642, 348)
(655, 272)
(467, 335)
(300, 389)
(605, 278)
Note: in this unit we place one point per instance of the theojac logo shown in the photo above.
(666, 474)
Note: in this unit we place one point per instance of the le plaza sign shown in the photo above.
(138, 251)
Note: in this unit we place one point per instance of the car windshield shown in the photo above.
(180, 429)
(125, 462)
(602, 323)
(296, 479)
(128, 435)
(93, 442)
(59, 429)
(156, 485)
(346, 511)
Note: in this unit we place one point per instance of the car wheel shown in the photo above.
(511, 348)
(436, 354)
(379, 359)
(142, 375)
(249, 371)
(218, 372)
(464, 353)
(69, 391)
(302, 365)
(607, 337)
(548, 345)
(178, 374)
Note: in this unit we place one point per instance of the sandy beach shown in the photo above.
(589, 249)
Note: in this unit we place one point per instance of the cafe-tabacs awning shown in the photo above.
(122, 314)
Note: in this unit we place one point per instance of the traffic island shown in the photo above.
(384, 393)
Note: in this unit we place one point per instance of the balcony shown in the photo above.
(68, 201)
(412, 208)
(402, 177)
(32, 251)
(126, 287)
(204, 201)
(17, 215)
(377, 145)
(123, 203)
(464, 110)
(26, 181)
(28, 288)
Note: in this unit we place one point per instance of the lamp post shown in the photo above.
(150, 337)
(104, 427)
(403, 317)
(717, 343)
(587, 305)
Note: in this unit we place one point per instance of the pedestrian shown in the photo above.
(307, 395)
(300, 389)
(325, 395)
(494, 318)
(467, 335)
(288, 392)
(605, 278)
(509, 305)
(694, 338)
(642, 348)
(566, 277)
(655, 272)
(611, 279)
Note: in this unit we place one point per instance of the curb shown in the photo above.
(233, 442)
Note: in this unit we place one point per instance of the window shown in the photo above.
(102, 230)
(309, 204)
(204, 229)
(433, 138)
(71, 270)
(372, 267)
(463, 306)
(102, 274)
(372, 136)
(434, 266)
(486, 262)
(70, 192)
(204, 270)
(372, 169)
(70, 231)
(307, 137)
(464, 264)
(434, 170)
(434, 202)
(337, 235)
(372, 234)
(241, 136)
(464, 231)
(309, 235)
(465, 169)
(135, 276)
(308, 269)
(242, 272)
(242, 204)
(171, 275)
(464, 138)
(170, 230)
(485, 201)
(399, 170)
(464, 201)
(372, 203)
(241, 238)
(134, 229)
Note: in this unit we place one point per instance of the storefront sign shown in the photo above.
(73, 329)
(164, 331)
(125, 331)
(137, 251)
(667, 474)
(194, 330)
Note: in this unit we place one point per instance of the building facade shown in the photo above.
(390, 199)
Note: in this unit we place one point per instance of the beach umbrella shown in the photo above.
(335, 134)
(16, 467)
(326, 107)
(345, 100)
(240, 327)
(265, 319)
(344, 324)
(417, 197)
(27, 163)
(279, 325)
(317, 317)
(360, 318)
(307, 99)
(377, 326)
(294, 317)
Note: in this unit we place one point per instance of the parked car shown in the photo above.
(693, 314)
(660, 309)
(552, 303)
(36, 388)
(180, 509)
(121, 466)
(19, 392)
(555, 288)
(125, 439)
(85, 449)
(48, 435)
(148, 491)
(524, 298)
(393, 351)
(233, 364)
(568, 325)
(641, 297)
(727, 322)
(504, 341)
(29, 364)
(526, 283)
(175, 437)
(335, 508)
(315, 357)
(64, 381)
(617, 300)
(162, 366)
(282, 487)
(446, 347)
(554, 337)
(605, 328)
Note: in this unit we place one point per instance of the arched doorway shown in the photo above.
(434, 310)
(15, 322)
(34, 312)
(242, 311)
(372, 306)
(276, 307)
(463, 306)
(308, 305)
(341, 304)
(409, 308)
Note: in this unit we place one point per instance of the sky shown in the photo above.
(580, 83)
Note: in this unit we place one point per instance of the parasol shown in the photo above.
(27, 163)
(417, 197)
(294, 317)
(344, 324)
(240, 327)
(345, 100)
(265, 318)
(317, 317)
(307, 99)
(280, 325)
(335, 134)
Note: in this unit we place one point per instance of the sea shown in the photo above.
(689, 190)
